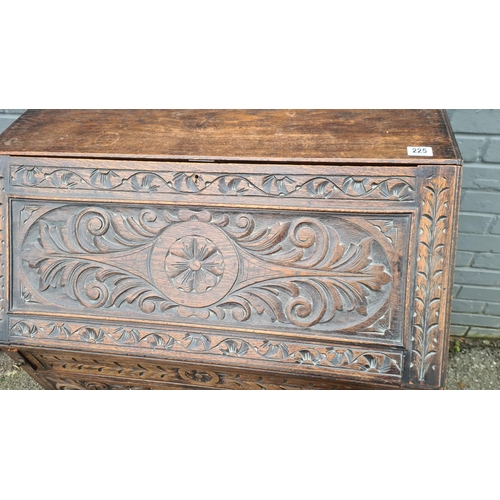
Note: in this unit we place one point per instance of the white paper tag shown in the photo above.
(419, 151)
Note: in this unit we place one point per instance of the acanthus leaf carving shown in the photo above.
(297, 271)
(331, 275)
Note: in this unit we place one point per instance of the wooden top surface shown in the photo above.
(326, 136)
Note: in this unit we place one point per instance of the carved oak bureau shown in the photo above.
(228, 249)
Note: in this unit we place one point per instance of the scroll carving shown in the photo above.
(429, 280)
(244, 184)
(303, 271)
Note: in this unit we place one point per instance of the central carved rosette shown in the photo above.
(194, 264)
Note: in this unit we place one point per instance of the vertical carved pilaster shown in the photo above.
(3, 322)
(432, 280)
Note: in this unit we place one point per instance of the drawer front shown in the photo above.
(75, 370)
(341, 271)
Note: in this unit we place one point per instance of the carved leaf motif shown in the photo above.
(27, 212)
(396, 191)
(323, 188)
(96, 230)
(104, 178)
(189, 183)
(155, 341)
(233, 185)
(27, 296)
(197, 341)
(276, 350)
(430, 275)
(278, 185)
(379, 364)
(145, 182)
(356, 187)
(58, 330)
(388, 229)
(349, 355)
(64, 180)
(235, 349)
(92, 335)
(128, 336)
(308, 357)
(25, 329)
(63, 258)
(28, 176)
(348, 275)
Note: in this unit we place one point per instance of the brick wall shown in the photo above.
(476, 303)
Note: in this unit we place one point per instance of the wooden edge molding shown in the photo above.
(3, 260)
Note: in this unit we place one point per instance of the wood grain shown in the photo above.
(322, 136)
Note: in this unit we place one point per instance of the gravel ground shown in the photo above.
(13, 378)
(473, 365)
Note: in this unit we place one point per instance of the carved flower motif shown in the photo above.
(194, 264)
(199, 376)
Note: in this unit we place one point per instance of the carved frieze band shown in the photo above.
(217, 347)
(431, 254)
(206, 183)
(218, 266)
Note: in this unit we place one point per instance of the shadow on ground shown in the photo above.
(473, 365)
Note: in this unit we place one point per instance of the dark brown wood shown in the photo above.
(351, 136)
(76, 370)
(232, 275)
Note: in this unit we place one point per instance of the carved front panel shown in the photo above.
(300, 273)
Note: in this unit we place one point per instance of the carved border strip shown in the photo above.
(398, 188)
(324, 358)
(3, 268)
(430, 304)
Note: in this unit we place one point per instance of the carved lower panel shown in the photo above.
(313, 357)
(319, 273)
(69, 384)
(65, 371)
